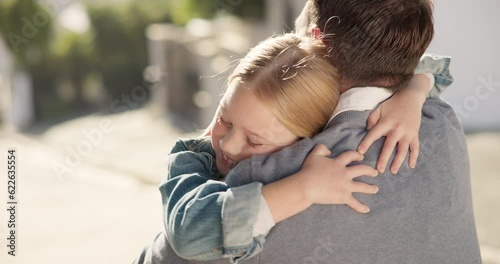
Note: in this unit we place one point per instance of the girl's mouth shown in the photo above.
(229, 163)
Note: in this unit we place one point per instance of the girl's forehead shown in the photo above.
(236, 97)
(241, 107)
(234, 90)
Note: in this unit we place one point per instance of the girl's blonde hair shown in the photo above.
(293, 78)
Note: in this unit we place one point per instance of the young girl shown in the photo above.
(283, 90)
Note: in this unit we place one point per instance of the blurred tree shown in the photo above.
(70, 59)
(114, 50)
(120, 43)
(183, 11)
(26, 27)
(74, 53)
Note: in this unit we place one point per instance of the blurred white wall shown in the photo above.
(469, 31)
(6, 67)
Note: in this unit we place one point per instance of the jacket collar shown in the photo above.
(360, 99)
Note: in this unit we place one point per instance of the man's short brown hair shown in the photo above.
(375, 42)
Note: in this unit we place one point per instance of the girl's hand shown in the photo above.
(330, 180)
(398, 118)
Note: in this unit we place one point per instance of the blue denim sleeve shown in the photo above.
(439, 66)
(193, 206)
(238, 219)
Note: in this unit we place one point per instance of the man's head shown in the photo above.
(373, 42)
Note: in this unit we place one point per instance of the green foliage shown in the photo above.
(114, 49)
(75, 52)
(120, 43)
(183, 11)
(26, 27)
(69, 58)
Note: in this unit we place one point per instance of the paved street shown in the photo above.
(86, 189)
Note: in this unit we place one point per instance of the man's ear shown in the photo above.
(316, 32)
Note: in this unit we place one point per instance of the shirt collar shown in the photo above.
(360, 99)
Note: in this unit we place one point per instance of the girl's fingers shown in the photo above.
(400, 156)
(389, 144)
(370, 137)
(414, 151)
(321, 150)
(361, 187)
(373, 118)
(349, 156)
(357, 206)
(361, 170)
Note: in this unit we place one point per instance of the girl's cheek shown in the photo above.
(218, 130)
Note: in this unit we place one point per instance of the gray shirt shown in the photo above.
(421, 215)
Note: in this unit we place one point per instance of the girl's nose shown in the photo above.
(231, 144)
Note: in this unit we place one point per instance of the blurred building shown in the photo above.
(467, 31)
(5, 73)
(16, 93)
(194, 61)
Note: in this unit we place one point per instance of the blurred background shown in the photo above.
(94, 93)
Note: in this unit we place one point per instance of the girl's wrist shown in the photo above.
(417, 90)
(420, 85)
(287, 197)
(305, 190)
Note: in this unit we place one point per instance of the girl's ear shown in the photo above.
(316, 33)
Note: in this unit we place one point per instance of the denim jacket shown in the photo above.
(204, 219)
(439, 66)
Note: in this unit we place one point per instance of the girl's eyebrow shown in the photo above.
(257, 135)
(223, 110)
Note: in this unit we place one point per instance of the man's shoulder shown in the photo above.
(344, 131)
(439, 115)
(439, 121)
(350, 126)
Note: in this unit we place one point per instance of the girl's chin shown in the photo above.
(224, 172)
(222, 169)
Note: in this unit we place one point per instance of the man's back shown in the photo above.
(421, 215)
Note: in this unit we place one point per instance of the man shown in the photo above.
(422, 215)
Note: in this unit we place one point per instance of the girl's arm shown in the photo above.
(204, 219)
(321, 180)
(399, 117)
(193, 205)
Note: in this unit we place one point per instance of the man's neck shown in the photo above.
(346, 84)
(360, 99)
